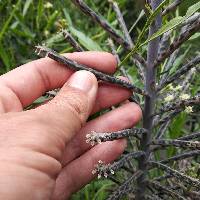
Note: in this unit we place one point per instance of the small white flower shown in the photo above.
(48, 5)
(92, 143)
(112, 171)
(184, 96)
(99, 141)
(105, 175)
(99, 176)
(178, 87)
(188, 109)
(169, 98)
(94, 171)
(100, 162)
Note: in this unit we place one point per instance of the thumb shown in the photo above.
(69, 110)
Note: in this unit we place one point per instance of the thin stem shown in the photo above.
(178, 42)
(165, 190)
(98, 138)
(181, 104)
(43, 51)
(72, 41)
(122, 22)
(172, 7)
(191, 136)
(184, 69)
(105, 25)
(176, 143)
(149, 101)
(181, 156)
(114, 52)
(108, 169)
(182, 177)
(125, 187)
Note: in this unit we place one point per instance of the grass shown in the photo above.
(27, 23)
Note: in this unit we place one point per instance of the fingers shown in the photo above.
(123, 117)
(109, 95)
(31, 80)
(69, 110)
(79, 172)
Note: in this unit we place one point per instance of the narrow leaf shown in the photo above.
(87, 42)
(26, 6)
(168, 26)
(192, 9)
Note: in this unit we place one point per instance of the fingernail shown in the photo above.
(82, 80)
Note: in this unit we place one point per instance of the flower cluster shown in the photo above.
(102, 169)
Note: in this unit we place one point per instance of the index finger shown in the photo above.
(33, 79)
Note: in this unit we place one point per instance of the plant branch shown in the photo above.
(43, 51)
(176, 143)
(122, 23)
(181, 104)
(149, 106)
(125, 187)
(181, 156)
(69, 38)
(156, 185)
(182, 177)
(194, 62)
(104, 170)
(172, 7)
(105, 25)
(178, 42)
(192, 136)
(98, 138)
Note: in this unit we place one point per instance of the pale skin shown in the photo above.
(43, 153)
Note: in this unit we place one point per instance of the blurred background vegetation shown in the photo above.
(26, 23)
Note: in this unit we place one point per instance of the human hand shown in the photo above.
(43, 153)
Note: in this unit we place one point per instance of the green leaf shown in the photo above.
(165, 28)
(67, 16)
(6, 24)
(39, 13)
(179, 61)
(51, 20)
(26, 6)
(192, 9)
(56, 38)
(144, 30)
(4, 56)
(195, 36)
(87, 42)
